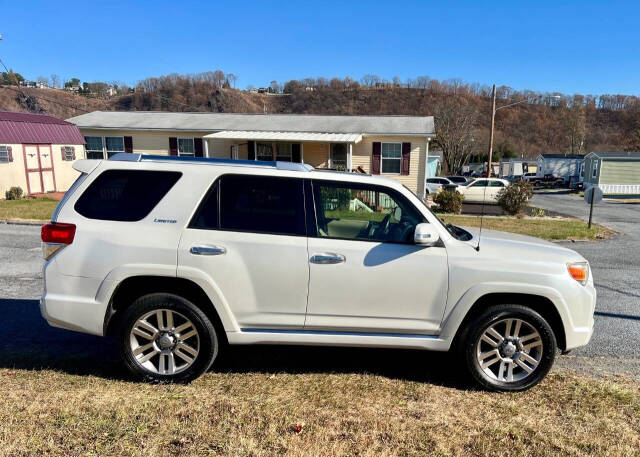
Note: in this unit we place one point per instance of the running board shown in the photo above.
(338, 338)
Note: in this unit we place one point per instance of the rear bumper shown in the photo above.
(70, 302)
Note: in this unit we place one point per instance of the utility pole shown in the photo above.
(493, 121)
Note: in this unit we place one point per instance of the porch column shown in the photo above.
(426, 168)
(205, 143)
(350, 158)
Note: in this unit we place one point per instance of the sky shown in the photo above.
(587, 47)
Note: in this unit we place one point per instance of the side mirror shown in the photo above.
(425, 235)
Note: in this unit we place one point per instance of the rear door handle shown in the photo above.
(207, 250)
(327, 258)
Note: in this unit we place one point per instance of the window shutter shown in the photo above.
(251, 150)
(296, 156)
(128, 144)
(375, 158)
(63, 153)
(197, 144)
(173, 146)
(73, 153)
(9, 154)
(406, 158)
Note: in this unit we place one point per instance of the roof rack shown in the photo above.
(289, 166)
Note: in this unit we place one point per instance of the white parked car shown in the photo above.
(483, 190)
(435, 184)
(179, 257)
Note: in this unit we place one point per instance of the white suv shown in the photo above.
(180, 257)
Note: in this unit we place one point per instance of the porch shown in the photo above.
(320, 150)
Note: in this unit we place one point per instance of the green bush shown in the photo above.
(449, 201)
(515, 197)
(15, 193)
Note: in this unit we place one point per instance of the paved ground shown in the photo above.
(616, 271)
(27, 340)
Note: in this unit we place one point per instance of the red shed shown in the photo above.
(37, 152)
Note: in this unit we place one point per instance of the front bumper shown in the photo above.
(579, 323)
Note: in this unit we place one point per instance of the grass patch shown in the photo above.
(545, 228)
(28, 208)
(311, 414)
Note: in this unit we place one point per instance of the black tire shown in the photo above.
(470, 335)
(207, 337)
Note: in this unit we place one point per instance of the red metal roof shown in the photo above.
(23, 128)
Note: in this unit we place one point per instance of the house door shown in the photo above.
(38, 163)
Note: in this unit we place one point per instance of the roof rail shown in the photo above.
(290, 166)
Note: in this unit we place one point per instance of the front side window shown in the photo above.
(95, 149)
(479, 184)
(186, 147)
(391, 157)
(261, 204)
(125, 195)
(361, 212)
(4, 154)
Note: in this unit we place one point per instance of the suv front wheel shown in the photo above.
(508, 348)
(166, 338)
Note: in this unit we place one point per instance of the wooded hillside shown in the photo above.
(544, 123)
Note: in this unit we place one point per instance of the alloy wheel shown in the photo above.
(509, 350)
(164, 342)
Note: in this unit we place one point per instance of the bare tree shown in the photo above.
(232, 79)
(275, 87)
(370, 80)
(575, 123)
(455, 118)
(55, 81)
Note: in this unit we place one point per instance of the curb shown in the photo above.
(19, 222)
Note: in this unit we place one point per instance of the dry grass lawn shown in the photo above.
(28, 209)
(313, 414)
(557, 228)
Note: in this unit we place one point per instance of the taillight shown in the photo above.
(56, 236)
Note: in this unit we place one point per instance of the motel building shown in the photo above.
(392, 146)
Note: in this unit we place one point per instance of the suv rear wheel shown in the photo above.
(166, 338)
(508, 348)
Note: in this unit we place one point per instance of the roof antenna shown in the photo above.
(484, 194)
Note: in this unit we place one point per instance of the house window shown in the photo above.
(99, 147)
(114, 144)
(391, 157)
(594, 172)
(283, 152)
(264, 151)
(95, 149)
(4, 154)
(186, 147)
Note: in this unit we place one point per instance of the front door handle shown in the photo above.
(207, 250)
(327, 258)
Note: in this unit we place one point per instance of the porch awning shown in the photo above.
(258, 135)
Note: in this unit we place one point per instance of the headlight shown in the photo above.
(579, 271)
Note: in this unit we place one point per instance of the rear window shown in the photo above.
(125, 195)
